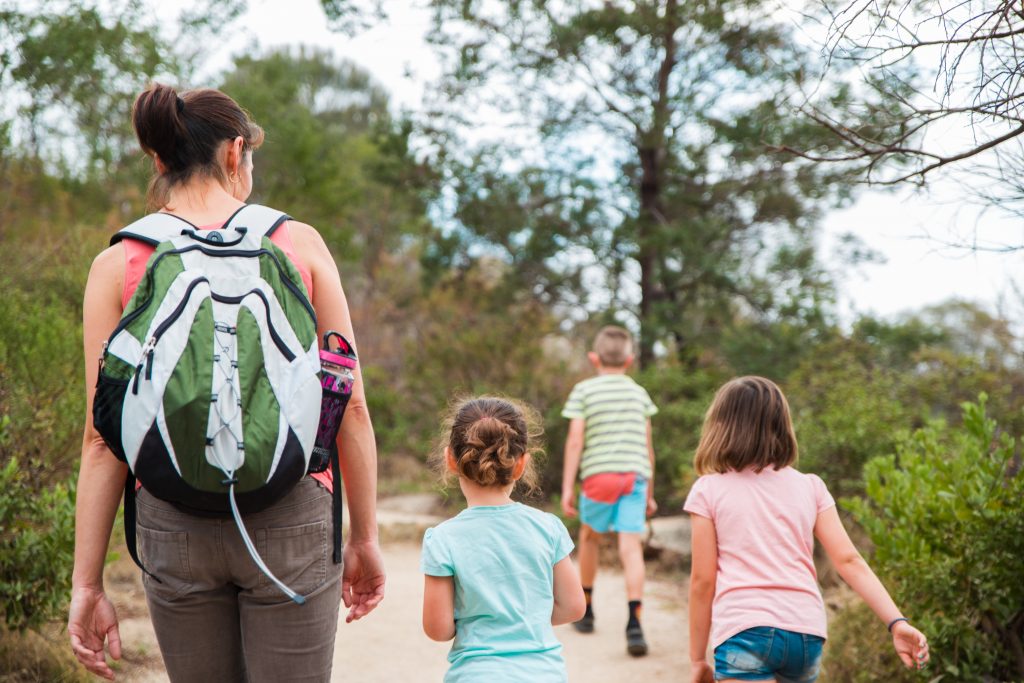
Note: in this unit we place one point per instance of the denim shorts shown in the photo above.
(764, 653)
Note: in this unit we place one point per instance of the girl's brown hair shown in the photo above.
(186, 132)
(488, 436)
(747, 426)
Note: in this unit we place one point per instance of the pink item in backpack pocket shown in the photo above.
(336, 380)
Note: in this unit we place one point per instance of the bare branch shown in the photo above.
(978, 68)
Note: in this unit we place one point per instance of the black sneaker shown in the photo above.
(585, 624)
(635, 643)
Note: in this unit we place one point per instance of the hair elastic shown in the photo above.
(894, 621)
(181, 104)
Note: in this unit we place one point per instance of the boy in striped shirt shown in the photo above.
(609, 445)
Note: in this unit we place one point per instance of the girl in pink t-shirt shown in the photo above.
(753, 586)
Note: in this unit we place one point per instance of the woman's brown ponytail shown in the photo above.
(186, 133)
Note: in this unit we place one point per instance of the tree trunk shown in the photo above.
(652, 150)
(650, 190)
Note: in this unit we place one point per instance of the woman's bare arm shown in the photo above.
(363, 582)
(101, 480)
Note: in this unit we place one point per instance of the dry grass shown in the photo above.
(38, 657)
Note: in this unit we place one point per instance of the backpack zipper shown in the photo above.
(289, 285)
(147, 350)
(103, 359)
(146, 357)
(274, 335)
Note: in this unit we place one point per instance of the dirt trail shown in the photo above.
(389, 645)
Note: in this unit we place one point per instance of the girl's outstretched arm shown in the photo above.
(703, 575)
(570, 604)
(439, 607)
(910, 644)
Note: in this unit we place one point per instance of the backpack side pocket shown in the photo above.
(107, 408)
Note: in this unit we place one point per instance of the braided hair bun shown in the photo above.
(488, 437)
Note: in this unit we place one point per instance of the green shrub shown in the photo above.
(41, 379)
(37, 540)
(860, 651)
(946, 517)
(846, 409)
(682, 396)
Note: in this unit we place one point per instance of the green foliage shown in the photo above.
(483, 286)
(333, 155)
(526, 216)
(37, 540)
(76, 66)
(682, 396)
(688, 205)
(851, 394)
(41, 387)
(846, 410)
(945, 517)
(860, 651)
(474, 336)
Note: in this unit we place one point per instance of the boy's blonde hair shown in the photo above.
(488, 435)
(613, 346)
(747, 426)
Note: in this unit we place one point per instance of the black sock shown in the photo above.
(634, 613)
(587, 594)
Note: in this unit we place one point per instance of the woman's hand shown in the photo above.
(700, 672)
(91, 621)
(362, 580)
(910, 645)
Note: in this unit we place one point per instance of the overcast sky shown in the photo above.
(908, 228)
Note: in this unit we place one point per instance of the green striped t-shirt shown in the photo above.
(614, 409)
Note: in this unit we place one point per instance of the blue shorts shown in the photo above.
(764, 653)
(626, 513)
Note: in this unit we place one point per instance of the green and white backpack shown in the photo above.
(208, 387)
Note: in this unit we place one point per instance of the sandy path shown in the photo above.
(389, 645)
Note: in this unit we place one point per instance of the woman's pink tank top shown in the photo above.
(137, 255)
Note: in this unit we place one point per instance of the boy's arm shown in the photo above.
(652, 505)
(703, 576)
(573, 452)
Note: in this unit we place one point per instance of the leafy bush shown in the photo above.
(37, 540)
(41, 379)
(946, 518)
(682, 396)
(860, 651)
(847, 408)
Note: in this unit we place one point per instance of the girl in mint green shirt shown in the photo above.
(498, 575)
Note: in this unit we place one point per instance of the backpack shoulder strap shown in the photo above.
(152, 229)
(260, 220)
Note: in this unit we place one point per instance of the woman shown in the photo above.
(222, 622)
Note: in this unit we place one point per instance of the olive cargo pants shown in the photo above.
(216, 616)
